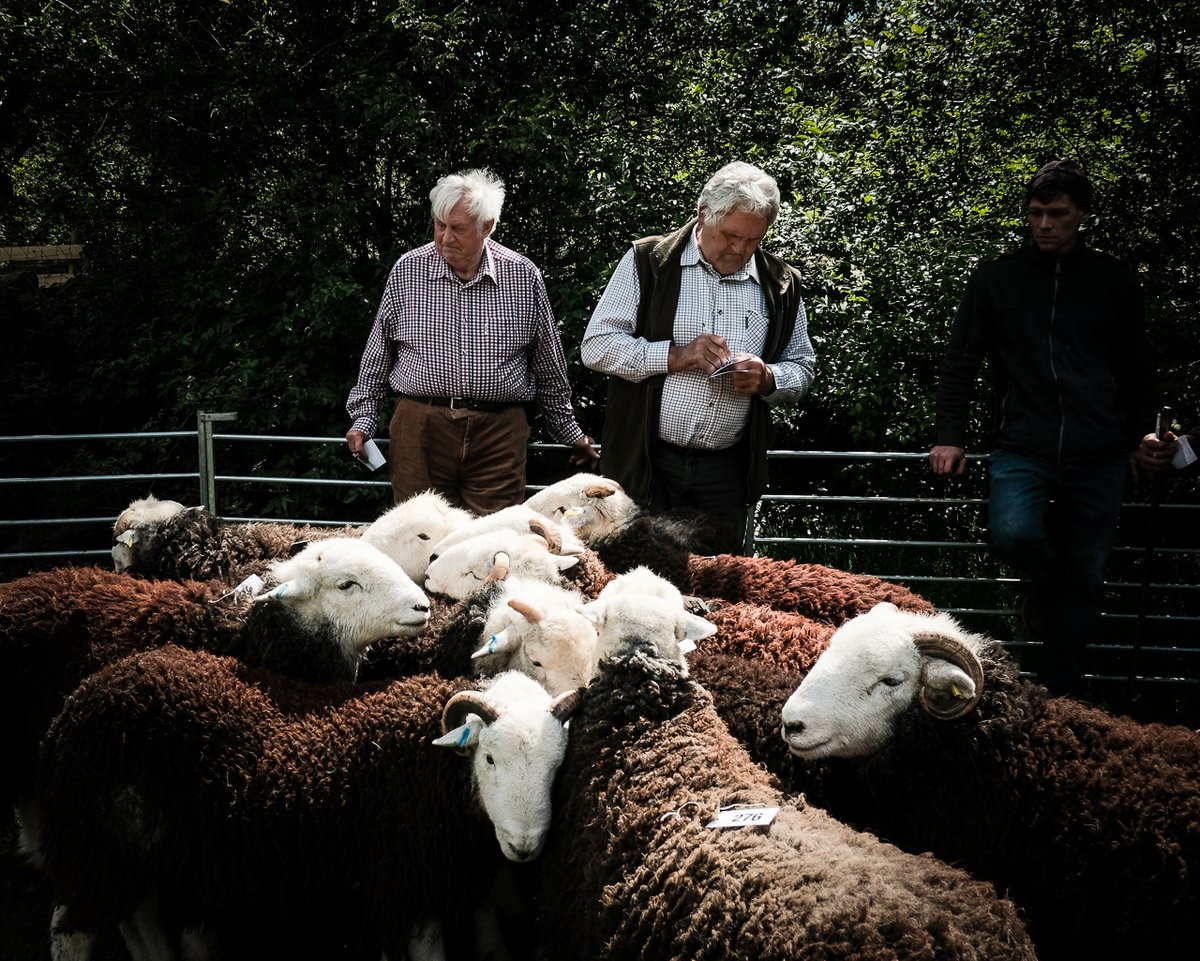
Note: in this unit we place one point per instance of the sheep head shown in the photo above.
(495, 555)
(360, 592)
(515, 735)
(878, 666)
(410, 531)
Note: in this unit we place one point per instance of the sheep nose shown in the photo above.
(421, 608)
(791, 728)
(524, 853)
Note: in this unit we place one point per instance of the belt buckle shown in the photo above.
(459, 403)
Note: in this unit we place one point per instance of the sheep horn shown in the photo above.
(545, 529)
(566, 704)
(528, 611)
(500, 565)
(454, 714)
(958, 654)
(598, 490)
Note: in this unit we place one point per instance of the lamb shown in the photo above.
(164, 539)
(632, 871)
(1090, 822)
(521, 519)
(408, 532)
(183, 789)
(330, 602)
(624, 534)
(463, 567)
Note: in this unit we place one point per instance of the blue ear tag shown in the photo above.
(462, 738)
(282, 589)
(492, 645)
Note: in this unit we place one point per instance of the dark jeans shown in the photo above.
(711, 481)
(1056, 526)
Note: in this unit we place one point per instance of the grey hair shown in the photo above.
(739, 186)
(481, 189)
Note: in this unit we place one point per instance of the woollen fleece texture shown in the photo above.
(784, 639)
(1090, 822)
(619, 881)
(822, 593)
(279, 809)
(192, 544)
(58, 626)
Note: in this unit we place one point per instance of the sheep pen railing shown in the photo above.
(876, 513)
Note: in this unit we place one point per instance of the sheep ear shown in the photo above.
(129, 538)
(884, 607)
(289, 590)
(692, 627)
(566, 561)
(594, 612)
(497, 644)
(464, 738)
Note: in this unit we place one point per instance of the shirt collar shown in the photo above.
(439, 269)
(692, 258)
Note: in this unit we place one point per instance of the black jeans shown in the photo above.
(711, 481)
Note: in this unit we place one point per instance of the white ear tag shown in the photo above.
(251, 585)
(686, 646)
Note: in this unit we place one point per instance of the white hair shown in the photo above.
(482, 190)
(739, 186)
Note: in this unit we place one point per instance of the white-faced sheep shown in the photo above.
(193, 790)
(522, 520)
(465, 567)
(165, 539)
(1090, 822)
(328, 604)
(632, 871)
(408, 532)
(624, 534)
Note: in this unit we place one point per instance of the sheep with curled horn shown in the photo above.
(912, 727)
(634, 870)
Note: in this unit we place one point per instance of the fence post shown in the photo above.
(208, 472)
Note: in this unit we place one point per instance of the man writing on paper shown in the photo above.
(676, 309)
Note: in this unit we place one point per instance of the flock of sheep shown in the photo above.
(562, 731)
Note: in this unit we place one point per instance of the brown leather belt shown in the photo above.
(464, 403)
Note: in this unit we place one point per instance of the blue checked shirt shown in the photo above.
(696, 412)
(491, 338)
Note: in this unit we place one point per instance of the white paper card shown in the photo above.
(724, 369)
(251, 585)
(743, 818)
(686, 646)
(372, 456)
(1184, 455)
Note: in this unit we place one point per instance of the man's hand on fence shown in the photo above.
(948, 461)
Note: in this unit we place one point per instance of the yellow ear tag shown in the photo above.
(956, 692)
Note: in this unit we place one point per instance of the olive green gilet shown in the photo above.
(631, 415)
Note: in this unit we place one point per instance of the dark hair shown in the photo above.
(1061, 177)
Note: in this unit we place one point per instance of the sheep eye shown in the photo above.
(488, 758)
(536, 663)
(423, 537)
(347, 584)
(890, 681)
(474, 575)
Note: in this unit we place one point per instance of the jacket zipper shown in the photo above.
(1062, 414)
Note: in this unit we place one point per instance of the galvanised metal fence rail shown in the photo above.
(822, 509)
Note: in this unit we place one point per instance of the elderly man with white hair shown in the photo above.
(466, 339)
(702, 333)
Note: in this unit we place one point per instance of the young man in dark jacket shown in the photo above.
(1062, 328)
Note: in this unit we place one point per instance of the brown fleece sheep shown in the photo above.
(822, 593)
(58, 626)
(631, 870)
(189, 543)
(274, 812)
(1089, 822)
